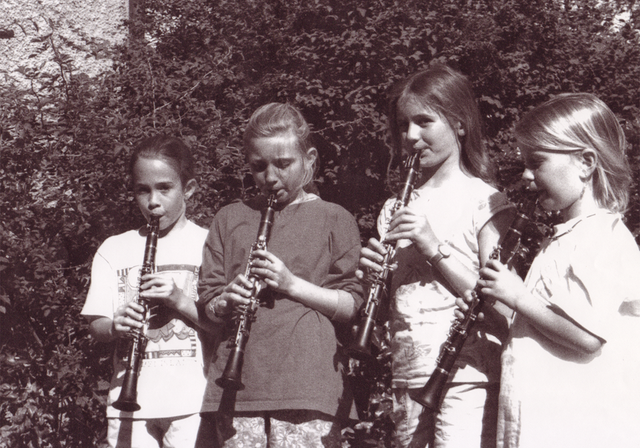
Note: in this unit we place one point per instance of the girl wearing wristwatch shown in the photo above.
(446, 233)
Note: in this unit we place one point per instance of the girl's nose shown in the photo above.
(270, 176)
(528, 175)
(413, 132)
(154, 200)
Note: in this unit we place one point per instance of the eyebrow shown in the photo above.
(155, 184)
(421, 114)
(275, 159)
(555, 151)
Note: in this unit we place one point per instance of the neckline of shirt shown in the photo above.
(568, 226)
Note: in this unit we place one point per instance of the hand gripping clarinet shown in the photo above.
(508, 252)
(360, 348)
(127, 399)
(232, 374)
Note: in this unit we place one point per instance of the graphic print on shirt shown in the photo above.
(171, 341)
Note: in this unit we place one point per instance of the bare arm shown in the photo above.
(459, 277)
(505, 286)
(407, 224)
(126, 318)
(101, 328)
(335, 304)
(163, 290)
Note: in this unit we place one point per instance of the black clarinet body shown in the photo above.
(232, 376)
(127, 400)
(360, 348)
(509, 252)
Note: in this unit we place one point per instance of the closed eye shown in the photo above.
(533, 161)
(258, 167)
(164, 186)
(141, 189)
(534, 164)
(424, 121)
(283, 163)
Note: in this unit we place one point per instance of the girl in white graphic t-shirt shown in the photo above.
(171, 380)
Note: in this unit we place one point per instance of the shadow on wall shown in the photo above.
(36, 36)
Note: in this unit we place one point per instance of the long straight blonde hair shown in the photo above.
(449, 93)
(577, 121)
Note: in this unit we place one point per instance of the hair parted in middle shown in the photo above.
(171, 149)
(448, 93)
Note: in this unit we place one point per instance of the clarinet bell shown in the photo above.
(360, 348)
(127, 400)
(231, 377)
(430, 395)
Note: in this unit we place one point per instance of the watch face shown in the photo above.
(445, 250)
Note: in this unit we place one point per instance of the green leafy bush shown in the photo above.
(198, 69)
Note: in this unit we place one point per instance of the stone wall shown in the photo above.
(35, 34)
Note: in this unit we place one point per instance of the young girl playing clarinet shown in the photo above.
(570, 374)
(447, 231)
(292, 374)
(171, 380)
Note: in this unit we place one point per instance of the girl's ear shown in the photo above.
(589, 161)
(460, 130)
(312, 156)
(190, 188)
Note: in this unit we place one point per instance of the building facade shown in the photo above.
(58, 37)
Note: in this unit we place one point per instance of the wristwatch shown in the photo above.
(444, 251)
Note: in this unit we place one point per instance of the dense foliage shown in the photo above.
(197, 69)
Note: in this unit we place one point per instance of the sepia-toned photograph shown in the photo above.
(319, 224)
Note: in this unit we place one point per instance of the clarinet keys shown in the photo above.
(231, 377)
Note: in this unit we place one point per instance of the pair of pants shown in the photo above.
(467, 418)
(277, 429)
(174, 432)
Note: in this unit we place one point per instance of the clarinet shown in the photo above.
(231, 377)
(360, 348)
(129, 392)
(508, 252)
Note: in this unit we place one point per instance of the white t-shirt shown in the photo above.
(423, 304)
(171, 381)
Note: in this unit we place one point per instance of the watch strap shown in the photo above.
(439, 255)
(435, 259)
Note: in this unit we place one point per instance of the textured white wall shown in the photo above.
(81, 29)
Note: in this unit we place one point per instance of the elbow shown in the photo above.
(101, 335)
(101, 329)
(595, 346)
(590, 345)
(346, 308)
